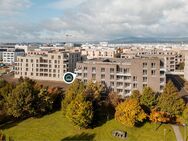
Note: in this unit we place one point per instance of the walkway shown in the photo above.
(177, 132)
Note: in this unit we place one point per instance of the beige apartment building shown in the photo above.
(124, 75)
(99, 52)
(172, 59)
(47, 67)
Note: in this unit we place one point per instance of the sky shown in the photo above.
(91, 20)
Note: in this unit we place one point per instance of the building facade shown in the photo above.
(49, 67)
(10, 56)
(124, 75)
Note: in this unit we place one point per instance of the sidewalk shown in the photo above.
(177, 133)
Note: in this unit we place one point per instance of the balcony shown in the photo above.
(123, 74)
(77, 71)
(128, 88)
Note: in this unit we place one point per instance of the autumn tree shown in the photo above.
(80, 112)
(159, 116)
(130, 112)
(77, 87)
(114, 99)
(170, 101)
(148, 98)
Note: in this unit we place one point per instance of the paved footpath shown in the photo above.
(177, 132)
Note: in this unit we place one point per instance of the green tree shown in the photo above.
(44, 102)
(185, 115)
(77, 87)
(135, 94)
(148, 97)
(80, 112)
(170, 101)
(94, 91)
(130, 112)
(19, 102)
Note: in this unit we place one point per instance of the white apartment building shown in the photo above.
(10, 56)
(49, 67)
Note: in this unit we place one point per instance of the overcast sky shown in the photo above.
(89, 20)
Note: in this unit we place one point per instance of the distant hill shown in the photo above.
(150, 40)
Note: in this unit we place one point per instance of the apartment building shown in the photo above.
(99, 52)
(47, 67)
(124, 75)
(172, 59)
(10, 55)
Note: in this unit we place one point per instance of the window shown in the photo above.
(85, 68)
(111, 70)
(135, 85)
(144, 85)
(153, 72)
(102, 76)
(59, 57)
(144, 72)
(144, 79)
(102, 69)
(153, 65)
(93, 69)
(111, 83)
(126, 70)
(144, 65)
(94, 76)
(52, 57)
(85, 74)
(111, 76)
(134, 78)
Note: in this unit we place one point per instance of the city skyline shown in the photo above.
(91, 20)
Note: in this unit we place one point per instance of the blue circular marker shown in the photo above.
(69, 77)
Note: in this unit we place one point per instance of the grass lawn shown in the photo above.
(55, 127)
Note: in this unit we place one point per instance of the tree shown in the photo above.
(44, 102)
(158, 116)
(77, 87)
(80, 112)
(135, 94)
(169, 101)
(19, 102)
(130, 112)
(94, 91)
(185, 115)
(148, 98)
(114, 98)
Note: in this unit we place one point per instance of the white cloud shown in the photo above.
(113, 19)
(110, 19)
(9, 7)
